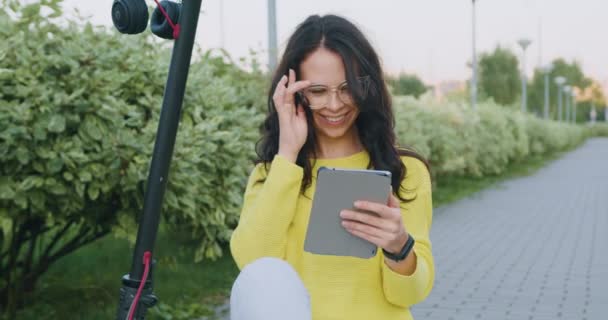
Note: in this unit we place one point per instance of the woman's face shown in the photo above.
(334, 111)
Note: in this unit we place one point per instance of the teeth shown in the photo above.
(338, 119)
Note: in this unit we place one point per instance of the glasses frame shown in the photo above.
(364, 81)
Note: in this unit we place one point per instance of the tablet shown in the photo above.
(338, 189)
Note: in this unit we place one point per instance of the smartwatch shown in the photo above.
(405, 251)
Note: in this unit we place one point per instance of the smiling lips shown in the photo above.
(335, 120)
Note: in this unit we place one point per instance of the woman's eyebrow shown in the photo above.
(313, 84)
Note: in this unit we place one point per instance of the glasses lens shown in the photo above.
(345, 94)
(317, 96)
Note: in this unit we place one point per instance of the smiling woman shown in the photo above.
(329, 106)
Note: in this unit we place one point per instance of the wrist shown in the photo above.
(403, 252)
(288, 155)
(398, 245)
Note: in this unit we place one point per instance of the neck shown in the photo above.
(328, 147)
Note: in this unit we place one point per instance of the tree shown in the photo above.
(536, 89)
(591, 97)
(79, 109)
(499, 77)
(407, 85)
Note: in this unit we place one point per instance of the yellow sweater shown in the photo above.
(273, 223)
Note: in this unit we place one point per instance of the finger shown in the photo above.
(294, 86)
(367, 229)
(299, 85)
(375, 240)
(289, 92)
(379, 208)
(292, 78)
(366, 218)
(279, 92)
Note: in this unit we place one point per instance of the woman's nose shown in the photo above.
(334, 101)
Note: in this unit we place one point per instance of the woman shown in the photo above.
(329, 106)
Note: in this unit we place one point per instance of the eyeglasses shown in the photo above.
(319, 96)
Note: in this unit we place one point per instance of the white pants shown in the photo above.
(269, 289)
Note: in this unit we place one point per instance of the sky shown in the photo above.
(431, 38)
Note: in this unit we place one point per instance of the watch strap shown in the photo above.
(405, 251)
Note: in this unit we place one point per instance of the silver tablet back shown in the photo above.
(338, 189)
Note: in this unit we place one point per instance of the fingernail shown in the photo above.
(357, 203)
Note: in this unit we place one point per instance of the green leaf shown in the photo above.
(39, 167)
(23, 155)
(6, 74)
(37, 198)
(93, 192)
(39, 132)
(57, 124)
(13, 5)
(68, 176)
(31, 182)
(6, 192)
(79, 189)
(93, 130)
(85, 176)
(21, 200)
(54, 165)
(58, 189)
(6, 224)
(31, 10)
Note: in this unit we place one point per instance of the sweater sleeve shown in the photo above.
(405, 291)
(268, 210)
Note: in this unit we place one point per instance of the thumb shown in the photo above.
(393, 202)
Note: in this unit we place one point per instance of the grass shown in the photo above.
(85, 285)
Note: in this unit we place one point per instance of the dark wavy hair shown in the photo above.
(375, 122)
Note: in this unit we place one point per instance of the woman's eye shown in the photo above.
(317, 91)
(345, 89)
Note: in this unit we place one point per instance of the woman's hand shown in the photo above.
(385, 230)
(293, 128)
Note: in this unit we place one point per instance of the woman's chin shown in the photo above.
(332, 132)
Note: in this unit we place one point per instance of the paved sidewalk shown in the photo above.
(530, 248)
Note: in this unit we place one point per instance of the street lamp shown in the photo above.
(474, 77)
(573, 106)
(560, 81)
(222, 43)
(523, 43)
(272, 35)
(567, 89)
(547, 70)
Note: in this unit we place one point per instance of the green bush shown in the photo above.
(79, 109)
(458, 141)
(599, 130)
